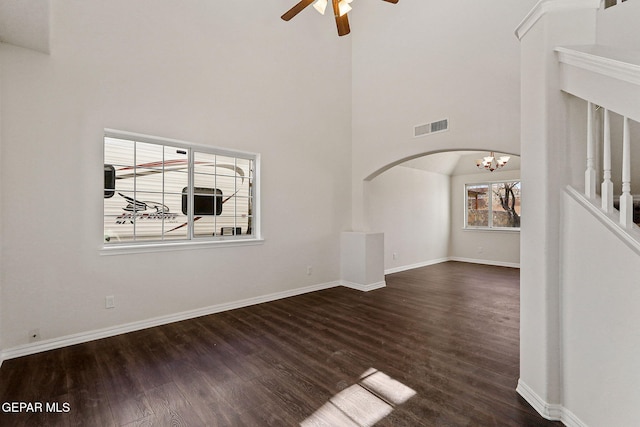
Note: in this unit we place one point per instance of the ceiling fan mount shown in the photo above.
(340, 10)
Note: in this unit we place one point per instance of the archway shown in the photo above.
(420, 205)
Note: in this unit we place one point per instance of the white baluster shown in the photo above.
(626, 200)
(607, 184)
(590, 173)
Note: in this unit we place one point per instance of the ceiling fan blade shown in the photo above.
(296, 9)
(391, 1)
(342, 22)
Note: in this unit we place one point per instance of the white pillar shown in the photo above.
(607, 184)
(544, 130)
(626, 200)
(590, 173)
(362, 260)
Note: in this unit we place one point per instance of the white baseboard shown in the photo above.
(451, 258)
(363, 288)
(82, 337)
(418, 265)
(485, 262)
(549, 411)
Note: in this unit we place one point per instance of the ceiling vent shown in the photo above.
(429, 128)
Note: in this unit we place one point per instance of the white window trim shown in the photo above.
(491, 229)
(122, 249)
(201, 242)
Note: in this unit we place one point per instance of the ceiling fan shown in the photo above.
(340, 10)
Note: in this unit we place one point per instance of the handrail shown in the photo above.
(617, 63)
(604, 75)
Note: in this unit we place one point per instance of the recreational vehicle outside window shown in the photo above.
(160, 191)
(493, 205)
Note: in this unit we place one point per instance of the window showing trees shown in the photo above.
(158, 191)
(494, 205)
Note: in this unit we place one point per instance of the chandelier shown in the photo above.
(490, 162)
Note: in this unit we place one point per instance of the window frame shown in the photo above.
(489, 227)
(191, 241)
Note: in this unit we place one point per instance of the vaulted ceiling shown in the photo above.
(25, 23)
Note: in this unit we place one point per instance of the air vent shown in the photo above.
(429, 128)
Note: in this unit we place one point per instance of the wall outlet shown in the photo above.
(34, 335)
(109, 302)
(395, 255)
(309, 270)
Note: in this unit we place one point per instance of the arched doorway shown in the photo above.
(421, 205)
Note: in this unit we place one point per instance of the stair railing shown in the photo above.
(606, 192)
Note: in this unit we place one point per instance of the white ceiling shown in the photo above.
(443, 163)
(25, 23)
(456, 162)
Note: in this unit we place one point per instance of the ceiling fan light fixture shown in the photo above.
(321, 6)
(340, 10)
(343, 7)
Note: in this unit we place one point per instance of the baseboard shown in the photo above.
(363, 288)
(418, 265)
(40, 346)
(549, 411)
(451, 258)
(485, 262)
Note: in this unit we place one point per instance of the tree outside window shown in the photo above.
(494, 205)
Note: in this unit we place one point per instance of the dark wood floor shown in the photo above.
(448, 332)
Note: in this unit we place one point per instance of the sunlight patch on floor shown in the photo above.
(362, 404)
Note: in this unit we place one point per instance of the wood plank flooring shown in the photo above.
(448, 333)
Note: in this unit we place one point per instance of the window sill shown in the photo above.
(175, 246)
(492, 230)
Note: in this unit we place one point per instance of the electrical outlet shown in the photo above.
(395, 255)
(109, 302)
(309, 270)
(34, 335)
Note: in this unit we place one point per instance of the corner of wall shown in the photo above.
(547, 410)
(1, 210)
(543, 130)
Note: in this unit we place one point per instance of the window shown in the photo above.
(494, 205)
(161, 191)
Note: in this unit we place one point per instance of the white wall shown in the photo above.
(492, 247)
(1, 223)
(416, 62)
(618, 25)
(600, 342)
(578, 296)
(543, 175)
(411, 207)
(599, 291)
(235, 76)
